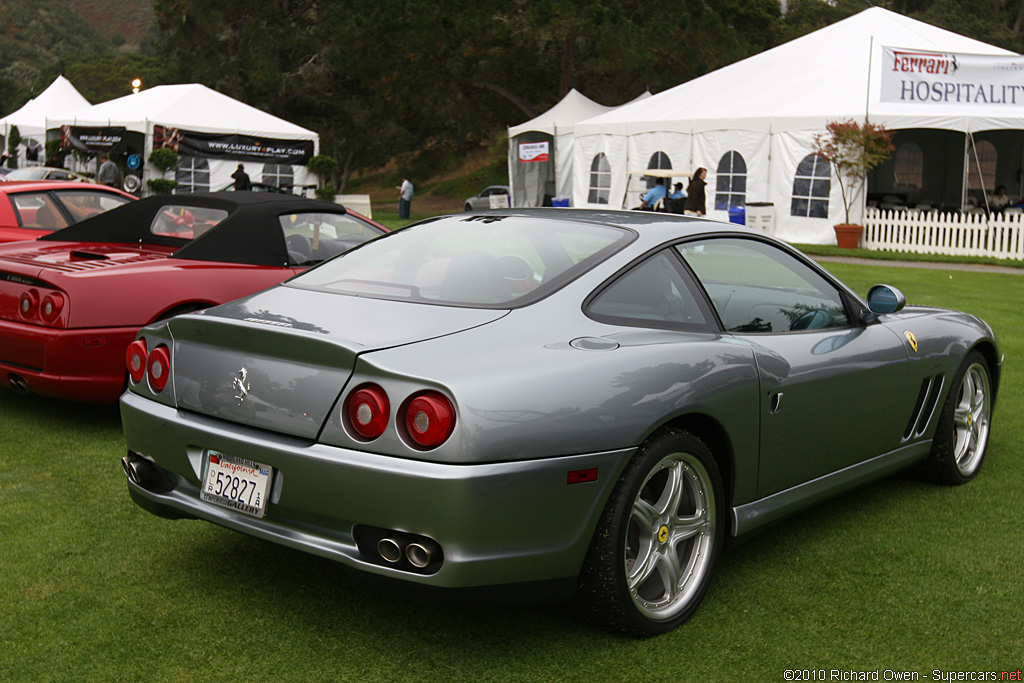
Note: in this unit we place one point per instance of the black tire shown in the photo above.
(961, 435)
(469, 207)
(658, 540)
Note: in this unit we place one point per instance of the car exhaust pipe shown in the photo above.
(19, 384)
(418, 554)
(141, 471)
(390, 550)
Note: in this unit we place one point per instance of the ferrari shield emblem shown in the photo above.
(241, 384)
(912, 339)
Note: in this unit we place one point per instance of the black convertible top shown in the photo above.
(251, 233)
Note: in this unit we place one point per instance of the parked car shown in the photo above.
(71, 302)
(46, 173)
(29, 210)
(575, 403)
(483, 200)
(258, 187)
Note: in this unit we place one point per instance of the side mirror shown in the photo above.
(884, 299)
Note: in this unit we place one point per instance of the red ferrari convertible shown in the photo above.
(31, 209)
(72, 301)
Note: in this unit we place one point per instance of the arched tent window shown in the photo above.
(278, 175)
(600, 180)
(908, 166)
(811, 186)
(658, 160)
(193, 175)
(982, 166)
(731, 186)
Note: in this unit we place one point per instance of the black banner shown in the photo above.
(95, 140)
(241, 147)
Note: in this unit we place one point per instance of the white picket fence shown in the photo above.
(931, 232)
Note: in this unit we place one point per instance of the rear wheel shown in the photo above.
(961, 435)
(659, 538)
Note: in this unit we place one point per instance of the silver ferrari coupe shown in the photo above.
(569, 404)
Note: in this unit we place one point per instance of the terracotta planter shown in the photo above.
(847, 235)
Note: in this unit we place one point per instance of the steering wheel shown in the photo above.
(812, 320)
(300, 249)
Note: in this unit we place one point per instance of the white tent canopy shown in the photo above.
(59, 99)
(197, 109)
(767, 109)
(533, 177)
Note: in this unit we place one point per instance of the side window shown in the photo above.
(908, 166)
(757, 287)
(315, 237)
(278, 175)
(656, 293)
(731, 182)
(658, 160)
(600, 180)
(983, 162)
(39, 210)
(85, 204)
(193, 175)
(186, 222)
(811, 186)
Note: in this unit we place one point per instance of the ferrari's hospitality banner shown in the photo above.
(947, 78)
(241, 147)
(533, 152)
(107, 139)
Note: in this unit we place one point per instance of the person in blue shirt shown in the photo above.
(677, 192)
(654, 195)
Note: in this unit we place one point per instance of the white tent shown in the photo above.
(534, 150)
(196, 116)
(59, 99)
(752, 124)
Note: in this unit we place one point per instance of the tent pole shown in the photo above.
(967, 170)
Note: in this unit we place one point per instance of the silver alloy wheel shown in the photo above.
(670, 536)
(971, 419)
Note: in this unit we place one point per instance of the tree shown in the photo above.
(852, 150)
(13, 140)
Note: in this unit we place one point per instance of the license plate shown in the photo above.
(236, 483)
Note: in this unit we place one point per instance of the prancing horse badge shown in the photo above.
(912, 339)
(241, 384)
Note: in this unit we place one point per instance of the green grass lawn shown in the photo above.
(900, 575)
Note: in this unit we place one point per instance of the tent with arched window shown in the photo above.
(211, 132)
(752, 124)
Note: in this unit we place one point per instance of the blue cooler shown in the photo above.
(560, 201)
(738, 214)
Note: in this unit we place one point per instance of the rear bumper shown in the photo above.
(79, 364)
(497, 523)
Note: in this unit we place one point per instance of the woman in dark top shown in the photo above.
(695, 193)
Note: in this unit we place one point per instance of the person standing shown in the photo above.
(405, 198)
(242, 182)
(695, 202)
(109, 173)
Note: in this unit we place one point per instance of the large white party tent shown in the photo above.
(59, 99)
(200, 115)
(752, 124)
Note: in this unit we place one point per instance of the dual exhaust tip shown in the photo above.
(142, 471)
(399, 550)
(417, 554)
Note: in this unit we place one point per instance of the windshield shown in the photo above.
(485, 261)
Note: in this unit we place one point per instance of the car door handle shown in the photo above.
(775, 403)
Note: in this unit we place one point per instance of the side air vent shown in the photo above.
(924, 407)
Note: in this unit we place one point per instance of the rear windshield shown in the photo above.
(481, 261)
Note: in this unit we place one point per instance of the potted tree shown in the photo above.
(852, 150)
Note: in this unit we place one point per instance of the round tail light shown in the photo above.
(367, 410)
(429, 419)
(135, 359)
(29, 303)
(51, 306)
(159, 368)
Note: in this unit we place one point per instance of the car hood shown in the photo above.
(279, 359)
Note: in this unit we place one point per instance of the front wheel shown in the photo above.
(961, 435)
(654, 551)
